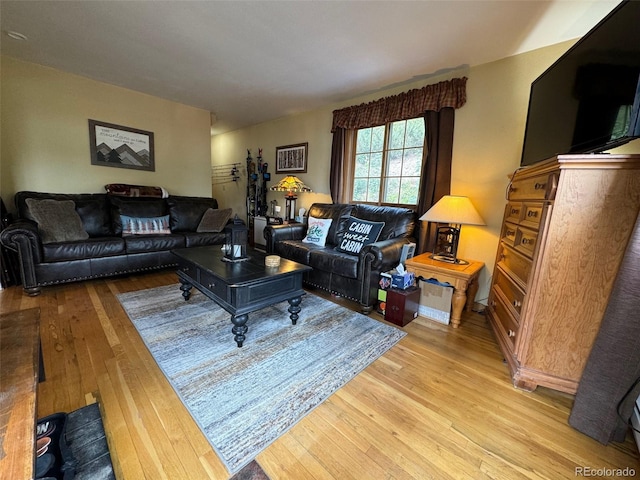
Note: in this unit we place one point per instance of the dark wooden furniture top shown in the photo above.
(19, 348)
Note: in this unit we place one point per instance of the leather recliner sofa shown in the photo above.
(353, 276)
(106, 251)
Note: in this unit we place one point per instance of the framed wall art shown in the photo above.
(123, 147)
(292, 158)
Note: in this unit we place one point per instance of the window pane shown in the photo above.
(392, 190)
(360, 189)
(396, 138)
(363, 140)
(409, 190)
(412, 162)
(362, 165)
(375, 165)
(415, 133)
(394, 163)
(377, 139)
(373, 191)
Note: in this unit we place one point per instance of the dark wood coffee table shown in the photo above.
(240, 287)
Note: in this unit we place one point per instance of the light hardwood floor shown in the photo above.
(439, 404)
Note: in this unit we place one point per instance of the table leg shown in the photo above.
(472, 291)
(186, 290)
(457, 303)
(239, 328)
(294, 309)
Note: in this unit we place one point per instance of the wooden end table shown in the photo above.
(463, 277)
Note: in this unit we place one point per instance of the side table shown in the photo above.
(463, 277)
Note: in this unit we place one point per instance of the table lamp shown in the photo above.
(456, 211)
(292, 185)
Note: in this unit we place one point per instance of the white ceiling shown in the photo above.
(251, 61)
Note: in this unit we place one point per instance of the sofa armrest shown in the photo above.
(22, 237)
(383, 255)
(277, 233)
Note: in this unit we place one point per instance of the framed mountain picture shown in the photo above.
(123, 147)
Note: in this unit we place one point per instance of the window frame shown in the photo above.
(352, 155)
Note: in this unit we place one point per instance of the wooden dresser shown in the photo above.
(565, 229)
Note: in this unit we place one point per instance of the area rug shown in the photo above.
(245, 398)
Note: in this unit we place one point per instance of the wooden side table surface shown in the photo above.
(463, 277)
(19, 348)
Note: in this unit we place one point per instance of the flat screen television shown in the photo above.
(589, 99)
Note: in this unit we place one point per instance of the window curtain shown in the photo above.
(437, 104)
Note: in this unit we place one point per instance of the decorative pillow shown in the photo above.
(359, 233)
(57, 220)
(214, 220)
(317, 231)
(145, 225)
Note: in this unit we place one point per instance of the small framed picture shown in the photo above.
(292, 158)
(122, 147)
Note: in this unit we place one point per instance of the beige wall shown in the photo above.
(45, 134)
(487, 145)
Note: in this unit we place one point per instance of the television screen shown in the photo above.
(589, 99)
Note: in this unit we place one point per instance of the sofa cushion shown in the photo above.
(317, 231)
(339, 213)
(295, 250)
(135, 207)
(80, 250)
(153, 243)
(203, 238)
(359, 233)
(330, 260)
(399, 221)
(186, 212)
(145, 225)
(214, 220)
(57, 220)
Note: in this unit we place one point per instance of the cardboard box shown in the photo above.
(402, 281)
(435, 300)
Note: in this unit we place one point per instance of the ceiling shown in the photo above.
(252, 61)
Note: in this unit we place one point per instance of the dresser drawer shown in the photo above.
(507, 325)
(533, 188)
(509, 234)
(532, 215)
(212, 284)
(518, 266)
(513, 295)
(513, 212)
(526, 241)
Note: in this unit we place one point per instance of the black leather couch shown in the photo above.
(106, 252)
(355, 277)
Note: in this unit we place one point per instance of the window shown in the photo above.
(388, 163)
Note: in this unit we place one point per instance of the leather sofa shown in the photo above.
(104, 250)
(338, 270)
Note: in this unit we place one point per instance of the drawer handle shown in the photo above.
(527, 241)
(532, 213)
(211, 285)
(517, 303)
(509, 233)
(515, 211)
(185, 269)
(540, 186)
(511, 333)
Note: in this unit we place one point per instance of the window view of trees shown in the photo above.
(388, 163)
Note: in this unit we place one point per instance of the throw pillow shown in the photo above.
(57, 220)
(317, 231)
(214, 220)
(145, 225)
(359, 233)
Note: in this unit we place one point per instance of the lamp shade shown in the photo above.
(453, 209)
(290, 183)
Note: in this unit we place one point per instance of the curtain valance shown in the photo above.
(450, 93)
